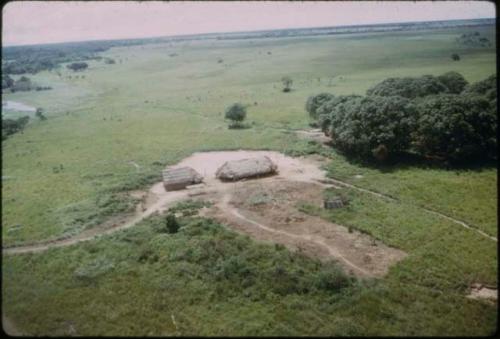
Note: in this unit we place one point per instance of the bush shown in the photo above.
(236, 113)
(361, 125)
(455, 57)
(22, 84)
(315, 101)
(454, 81)
(78, 66)
(457, 127)
(287, 83)
(408, 87)
(39, 114)
(172, 224)
(11, 126)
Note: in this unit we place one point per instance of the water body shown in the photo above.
(16, 106)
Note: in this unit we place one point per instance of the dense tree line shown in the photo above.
(78, 66)
(11, 126)
(22, 84)
(441, 116)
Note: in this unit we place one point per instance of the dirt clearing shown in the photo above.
(264, 208)
(268, 212)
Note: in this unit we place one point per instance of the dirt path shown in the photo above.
(206, 163)
(225, 207)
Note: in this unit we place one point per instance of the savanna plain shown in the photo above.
(111, 129)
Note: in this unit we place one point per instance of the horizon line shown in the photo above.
(228, 32)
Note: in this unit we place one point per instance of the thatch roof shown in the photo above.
(179, 178)
(246, 168)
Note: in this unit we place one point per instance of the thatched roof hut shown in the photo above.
(178, 178)
(246, 168)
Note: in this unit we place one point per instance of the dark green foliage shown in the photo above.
(287, 83)
(455, 121)
(39, 114)
(22, 84)
(172, 224)
(454, 81)
(473, 39)
(457, 127)
(77, 66)
(325, 111)
(455, 57)
(315, 101)
(360, 125)
(11, 126)
(408, 87)
(7, 81)
(486, 88)
(236, 113)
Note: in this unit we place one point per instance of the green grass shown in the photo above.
(154, 110)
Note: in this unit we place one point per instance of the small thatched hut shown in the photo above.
(246, 168)
(178, 178)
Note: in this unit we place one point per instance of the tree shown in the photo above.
(22, 84)
(454, 81)
(373, 125)
(172, 224)
(7, 81)
(486, 88)
(236, 113)
(408, 87)
(325, 111)
(78, 66)
(11, 126)
(39, 114)
(315, 101)
(457, 127)
(287, 83)
(455, 57)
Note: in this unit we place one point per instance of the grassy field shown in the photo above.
(153, 109)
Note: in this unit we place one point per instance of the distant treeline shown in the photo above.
(36, 58)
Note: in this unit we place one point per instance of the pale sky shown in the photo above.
(34, 22)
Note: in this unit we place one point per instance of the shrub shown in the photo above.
(457, 127)
(287, 83)
(172, 224)
(236, 113)
(39, 114)
(455, 57)
(7, 81)
(11, 126)
(78, 66)
(454, 81)
(409, 87)
(315, 101)
(22, 84)
(361, 125)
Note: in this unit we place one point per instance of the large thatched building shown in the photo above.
(178, 178)
(246, 168)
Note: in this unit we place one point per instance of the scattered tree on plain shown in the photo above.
(287, 83)
(78, 66)
(236, 113)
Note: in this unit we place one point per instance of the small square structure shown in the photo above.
(179, 178)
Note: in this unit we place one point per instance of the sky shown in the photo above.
(37, 22)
